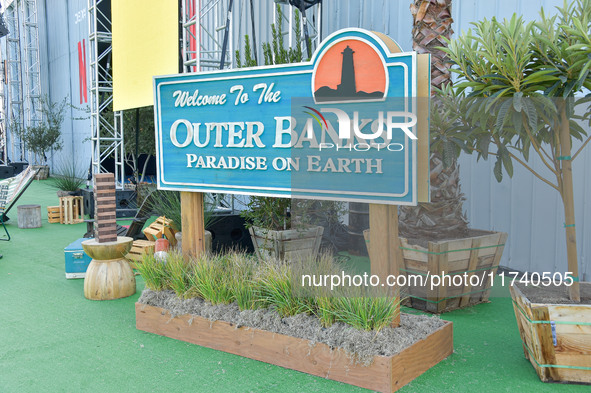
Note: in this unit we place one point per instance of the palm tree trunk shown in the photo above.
(431, 23)
(443, 218)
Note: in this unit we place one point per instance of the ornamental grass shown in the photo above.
(253, 284)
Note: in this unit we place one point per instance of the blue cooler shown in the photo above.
(76, 260)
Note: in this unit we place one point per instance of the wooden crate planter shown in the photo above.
(384, 374)
(138, 249)
(54, 215)
(154, 231)
(562, 356)
(478, 255)
(72, 210)
(290, 244)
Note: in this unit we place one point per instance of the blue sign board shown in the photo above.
(340, 127)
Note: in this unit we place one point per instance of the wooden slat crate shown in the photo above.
(154, 231)
(54, 215)
(562, 356)
(479, 255)
(72, 210)
(138, 249)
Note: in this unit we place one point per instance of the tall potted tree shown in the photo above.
(522, 79)
(44, 137)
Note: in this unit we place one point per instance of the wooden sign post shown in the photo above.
(384, 251)
(193, 226)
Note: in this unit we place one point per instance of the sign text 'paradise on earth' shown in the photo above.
(342, 126)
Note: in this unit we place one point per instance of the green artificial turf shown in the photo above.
(54, 340)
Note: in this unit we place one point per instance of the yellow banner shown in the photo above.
(145, 43)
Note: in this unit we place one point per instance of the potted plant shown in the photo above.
(522, 78)
(276, 233)
(274, 230)
(68, 179)
(45, 136)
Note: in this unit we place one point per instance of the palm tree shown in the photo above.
(443, 218)
(431, 24)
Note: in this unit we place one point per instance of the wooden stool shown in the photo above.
(29, 216)
(72, 210)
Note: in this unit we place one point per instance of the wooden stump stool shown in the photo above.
(109, 275)
(29, 216)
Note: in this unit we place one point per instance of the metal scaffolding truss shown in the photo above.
(204, 25)
(204, 22)
(107, 126)
(31, 72)
(21, 100)
(3, 153)
(14, 110)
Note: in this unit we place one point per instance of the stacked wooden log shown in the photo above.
(105, 207)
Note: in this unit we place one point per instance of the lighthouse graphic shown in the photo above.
(347, 89)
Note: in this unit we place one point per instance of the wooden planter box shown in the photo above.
(291, 244)
(42, 171)
(384, 374)
(478, 256)
(556, 338)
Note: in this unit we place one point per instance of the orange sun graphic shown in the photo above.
(350, 69)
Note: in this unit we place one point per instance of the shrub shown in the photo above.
(68, 177)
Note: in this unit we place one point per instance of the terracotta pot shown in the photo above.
(161, 245)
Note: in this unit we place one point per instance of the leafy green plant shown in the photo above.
(68, 177)
(267, 212)
(518, 80)
(45, 135)
(325, 310)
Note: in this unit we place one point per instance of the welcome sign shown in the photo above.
(342, 126)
